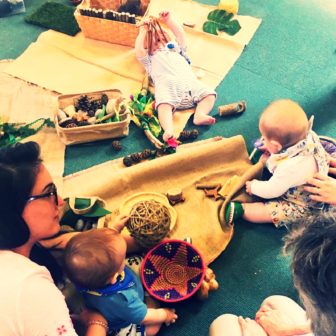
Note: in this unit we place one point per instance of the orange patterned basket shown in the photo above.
(100, 20)
(172, 271)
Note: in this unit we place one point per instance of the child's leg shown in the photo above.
(256, 213)
(252, 212)
(165, 112)
(203, 108)
(152, 329)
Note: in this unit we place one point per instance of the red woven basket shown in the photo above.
(172, 271)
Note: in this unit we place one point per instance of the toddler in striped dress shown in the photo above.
(176, 86)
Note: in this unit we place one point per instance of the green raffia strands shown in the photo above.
(220, 20)
(137, 107)
(11, 133)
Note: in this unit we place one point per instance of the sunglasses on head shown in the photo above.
(52, 192)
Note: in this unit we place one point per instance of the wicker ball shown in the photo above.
(149, 222)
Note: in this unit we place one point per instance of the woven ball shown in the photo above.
(149, 222)
(172, 271)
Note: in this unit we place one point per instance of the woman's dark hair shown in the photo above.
(313, 247)
(19, 166)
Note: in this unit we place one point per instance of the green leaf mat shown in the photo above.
(55, 16)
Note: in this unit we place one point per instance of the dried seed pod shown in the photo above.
(116, 145)
(127, 161)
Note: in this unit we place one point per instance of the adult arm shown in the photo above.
(43, 310)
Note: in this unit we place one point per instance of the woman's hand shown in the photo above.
(250, 327)
(276, 323)
(322, 188)
(332, 166)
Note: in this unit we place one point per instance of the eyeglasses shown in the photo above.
(52, 192)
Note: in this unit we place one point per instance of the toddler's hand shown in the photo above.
(171, 316)
(248, 187)
(164, 16)
(120, 222)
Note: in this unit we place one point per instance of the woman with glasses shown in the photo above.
(30, 302)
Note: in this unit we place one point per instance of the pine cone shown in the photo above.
(83, 123)
(184, 135)
(136, 157)
(146, 153)
(127, 161)
(188, 135)
(194, 134)
(83, 103)
(71, 125)
(116, 145)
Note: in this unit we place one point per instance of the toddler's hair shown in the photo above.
(285, 121)
(91, 258)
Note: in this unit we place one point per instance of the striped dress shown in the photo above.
(173, 78)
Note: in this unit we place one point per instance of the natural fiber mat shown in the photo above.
(216, 159)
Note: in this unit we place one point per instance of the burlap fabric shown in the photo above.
(216, 159)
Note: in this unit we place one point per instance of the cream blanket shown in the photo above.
(76, 64)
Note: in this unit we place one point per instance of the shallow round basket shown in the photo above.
(172, 271)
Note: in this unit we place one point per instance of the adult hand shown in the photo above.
(250, 327)
(277, 323)
(332, 166)
(322, 188)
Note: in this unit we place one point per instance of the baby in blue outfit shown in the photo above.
(95, 262)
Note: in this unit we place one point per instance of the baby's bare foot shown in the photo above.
(203, 119)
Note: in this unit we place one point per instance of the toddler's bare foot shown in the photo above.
(203, 119)
(166, 136)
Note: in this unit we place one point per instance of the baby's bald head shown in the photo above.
(285, 122)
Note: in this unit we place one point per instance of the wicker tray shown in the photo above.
(106, 30)
(82, 134)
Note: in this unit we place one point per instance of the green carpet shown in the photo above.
(292, 55)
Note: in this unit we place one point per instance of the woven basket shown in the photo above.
(82, 134)
(172, 271)
(107, 30)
